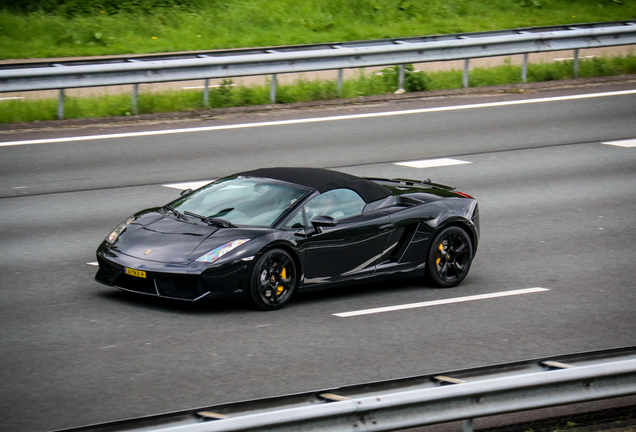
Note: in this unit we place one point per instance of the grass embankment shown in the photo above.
(198, 24)
(72, 28)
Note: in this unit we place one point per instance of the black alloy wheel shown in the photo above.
(273, 280)
(449, 257)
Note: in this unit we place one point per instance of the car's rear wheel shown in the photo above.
(449, 257)
(273, 280)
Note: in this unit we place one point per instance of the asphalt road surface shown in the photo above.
(558, 211)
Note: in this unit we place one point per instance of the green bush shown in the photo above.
(249, 96)
(222, 96)
(413, 80)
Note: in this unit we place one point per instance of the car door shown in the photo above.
(348, 250)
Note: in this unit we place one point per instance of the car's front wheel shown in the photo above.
(449, 257)
(273, 280)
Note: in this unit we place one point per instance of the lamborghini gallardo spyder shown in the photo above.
(262, 235)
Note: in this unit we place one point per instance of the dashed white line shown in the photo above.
(572, 58)
(623, 143)
(210, 86)
(316, 120)
(94, 263)
(439, 302)
(188, 185)
(431, 163)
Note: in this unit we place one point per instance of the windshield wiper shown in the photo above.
(221, 223)
(174, 212)
(222, 212)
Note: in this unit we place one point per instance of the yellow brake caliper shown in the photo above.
(441, 248)
(280, 288)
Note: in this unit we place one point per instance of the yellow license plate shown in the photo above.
(137, 273)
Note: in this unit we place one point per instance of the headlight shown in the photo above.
(122, 226)
(217, 253)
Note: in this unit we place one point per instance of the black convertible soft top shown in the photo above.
(323, 180)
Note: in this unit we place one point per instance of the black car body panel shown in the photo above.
(384, 229)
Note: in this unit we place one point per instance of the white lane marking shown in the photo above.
(210, 86)
(431, 163)
(624, 143)
(572, 58)
(440, 302)
(188, 185)
(94, 263)
(315, 120)
(11, 98)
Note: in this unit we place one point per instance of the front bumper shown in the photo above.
(182, 282)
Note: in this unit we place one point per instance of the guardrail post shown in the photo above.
(576, 63)
(401, 78)
(206, 93)
(465, 76)
(135, 97)
(468, 425)
(60, 105)
(272, 89)
(524, 68)
(340, 82)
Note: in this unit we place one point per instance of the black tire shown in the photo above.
(273, 281)
(449, 257)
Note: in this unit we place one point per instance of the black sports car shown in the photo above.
(263, 234)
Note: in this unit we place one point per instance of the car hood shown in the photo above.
(155, 237)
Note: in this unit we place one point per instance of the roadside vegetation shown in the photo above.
(72, 28)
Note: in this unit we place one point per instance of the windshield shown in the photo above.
(242, 200)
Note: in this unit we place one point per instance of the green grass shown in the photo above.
(303, 90)
(249, 23)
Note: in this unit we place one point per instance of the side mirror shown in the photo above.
(186, 192)
(323, 221)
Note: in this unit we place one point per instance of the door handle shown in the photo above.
(386, 227)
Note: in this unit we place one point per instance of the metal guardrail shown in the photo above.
(416, 401)
(274, 61)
